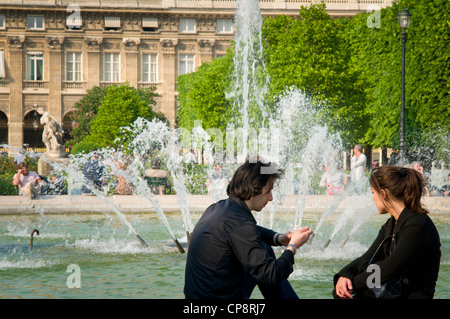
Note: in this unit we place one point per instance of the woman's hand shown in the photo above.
(344, 287)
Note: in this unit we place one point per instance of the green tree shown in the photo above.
(85, 111)
(352, 71)
(376, 56)
(311, 54)
(120, 107)
(201, 95)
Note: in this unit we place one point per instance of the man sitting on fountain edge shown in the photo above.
(229, 253)
(27, 181)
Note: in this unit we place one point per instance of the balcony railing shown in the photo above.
(81, 85)
(35, 85)
(4, 83)
(4, 86)
(145, 85)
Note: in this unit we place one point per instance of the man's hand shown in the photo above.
(284, 239)
(300, 236)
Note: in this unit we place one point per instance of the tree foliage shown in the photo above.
(202, 95)
(311, 54)
(85, 110)
(120, 107)
(101, 114)
(376, 55)
(351, 69)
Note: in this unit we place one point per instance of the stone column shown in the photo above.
(131, 46)
(169, 72)
(93, 45)
(15, 121)
(55, 77)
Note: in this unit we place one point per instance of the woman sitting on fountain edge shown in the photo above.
(409, 242)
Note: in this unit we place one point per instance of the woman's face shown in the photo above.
(379, 201)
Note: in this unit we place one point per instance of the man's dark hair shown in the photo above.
(250, 178)
(22, 166)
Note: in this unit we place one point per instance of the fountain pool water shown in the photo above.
(101, 250)
(112, 264)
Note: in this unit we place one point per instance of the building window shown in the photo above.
(150, 24)
(35, 22)
(187, 63)
(150, 68)
(112, 67)
(112, 23)
(187, 25)
(35, 66)
(224, 26)
(2, 22)
(73, 67)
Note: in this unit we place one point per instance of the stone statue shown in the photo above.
(52, 136)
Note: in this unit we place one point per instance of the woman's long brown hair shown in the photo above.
(404, 184)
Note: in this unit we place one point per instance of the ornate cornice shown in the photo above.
(93, 43)
(16, 41)
(131, 44)
(54, 42)
(168, 45)
(206, 45)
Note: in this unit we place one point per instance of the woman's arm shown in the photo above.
(352, 270)
(411, 246)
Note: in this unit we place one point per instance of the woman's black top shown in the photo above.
(416, 255)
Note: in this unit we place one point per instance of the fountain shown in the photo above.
(344, 225)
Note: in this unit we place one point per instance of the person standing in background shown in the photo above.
(358, 167)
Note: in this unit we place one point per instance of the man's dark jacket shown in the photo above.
(225, 242)
(416, 255)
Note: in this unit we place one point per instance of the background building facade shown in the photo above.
(52, 52)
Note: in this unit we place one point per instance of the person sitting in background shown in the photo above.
(93, 173)
(124, 186)
(27, 181)
(334, 180)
